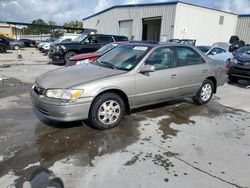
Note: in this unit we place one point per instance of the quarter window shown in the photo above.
(162, 58)
(188, 56)
(104, 39)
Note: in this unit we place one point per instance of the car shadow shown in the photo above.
(240, 83)
(156, 106)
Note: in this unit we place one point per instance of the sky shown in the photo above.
(62, 11)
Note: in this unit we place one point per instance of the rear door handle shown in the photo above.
(173, 76)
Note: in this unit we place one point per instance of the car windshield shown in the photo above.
(124, 57)
(106, 48)
(80, 38)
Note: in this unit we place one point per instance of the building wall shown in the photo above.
(10, 30)
(243, 28)
(203, 25)
(6, 30)
(108, 22)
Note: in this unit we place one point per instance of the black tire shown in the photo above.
(96, 109)
(67, 56)
(232, 79)
(201, 99)
(3, 49)
(16, 47)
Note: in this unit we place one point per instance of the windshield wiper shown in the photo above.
(107, 63)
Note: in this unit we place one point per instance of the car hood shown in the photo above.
(243, 57)
(85, 56)
(74, 75)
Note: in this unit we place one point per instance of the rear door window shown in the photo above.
(188, 56)
(105, 39)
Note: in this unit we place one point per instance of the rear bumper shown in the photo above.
(58, 111)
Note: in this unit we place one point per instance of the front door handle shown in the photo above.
(204, 70)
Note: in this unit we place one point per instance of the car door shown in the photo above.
(90, 44)
(162, 84)
(192, 70)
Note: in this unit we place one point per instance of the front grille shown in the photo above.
(39, 90)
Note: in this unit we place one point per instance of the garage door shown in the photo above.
(125, 28)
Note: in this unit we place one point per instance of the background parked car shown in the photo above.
(217, 53)
(4, 45)
(62, 52)
(239, 67)
(91, 57)
(241, 50)
(15, 44)
(45, 42)
(183, 41)
(46, 46)
(28, 42)
(224, 45)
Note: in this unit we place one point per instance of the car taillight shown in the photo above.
(226, 68)
(91, 60)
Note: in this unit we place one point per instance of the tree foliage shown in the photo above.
(40, 30)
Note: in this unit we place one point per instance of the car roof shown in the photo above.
(157, 44)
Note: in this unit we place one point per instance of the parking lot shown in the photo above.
(175, 144)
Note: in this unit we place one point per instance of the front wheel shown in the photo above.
(16, 47)
(107, 111)
(67, 57)
(205, 93)
(3, 49)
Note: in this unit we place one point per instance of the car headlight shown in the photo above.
(234, 61)
(68, 94)
(60, 47)
(82, 62)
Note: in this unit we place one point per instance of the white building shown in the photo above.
(243, 28)
(163, 21)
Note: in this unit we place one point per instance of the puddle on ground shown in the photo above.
(12, 86)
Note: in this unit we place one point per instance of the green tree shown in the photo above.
(73, 24)
(32, 30)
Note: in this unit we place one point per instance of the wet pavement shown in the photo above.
(175, 144)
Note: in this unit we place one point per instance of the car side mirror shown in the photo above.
(214, 53)
(147, 68)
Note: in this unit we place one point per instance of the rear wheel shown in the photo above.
(67, 57)
(106, 111)
(3, 49)
(205, 93)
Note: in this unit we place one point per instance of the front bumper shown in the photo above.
(57, 110)
(239, 71)
(57, 57)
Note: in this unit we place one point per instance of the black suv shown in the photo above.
(239, 67)
(4, 45)
(60, 53)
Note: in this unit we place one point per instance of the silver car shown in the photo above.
(128, 77)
